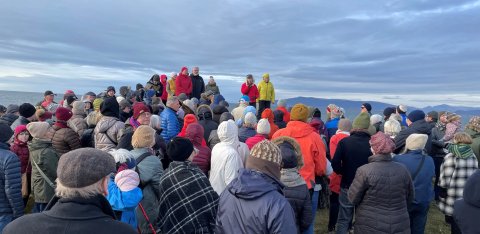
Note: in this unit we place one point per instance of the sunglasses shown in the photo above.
(362, 107)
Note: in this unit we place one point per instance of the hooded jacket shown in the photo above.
(216, 100)
(163, 79)
(65, 139)
(213, 138)
(43, 154)
(77, 123)
(246, 132)
(171, 87)
(268, 114)
(254, 203)
(420, 127)
(205, 118)
(335, 178)
(21, 150)
(11, 202)
(217, 112)
(467, 209)
(212, 87)
(286, 114)
(313, 149)
(266, 91)
(198, 86)
(112, 127)
(183, 84)
(195, 133)
(8, 118)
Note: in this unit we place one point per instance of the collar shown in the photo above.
(380, 158)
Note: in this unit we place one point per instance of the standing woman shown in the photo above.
(459, 164)
(20, 148)
(250, 89)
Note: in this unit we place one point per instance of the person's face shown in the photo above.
(175, 106)
(88, 105)
(443, 118)
(428, 119)
(23, 136)
(144, 118)
(250, 81)
(91, 98)
(111, 93)
(127, 109)
(363, 109)
(195, 70)
(266, 79)
(49, 98)
(185, 72)
(409, 122)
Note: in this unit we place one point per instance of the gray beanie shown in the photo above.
(12, 108)
(83, 167)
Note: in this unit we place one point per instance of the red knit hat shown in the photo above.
(381, 143)
(139, 108)
(19, 129)
(63, 114)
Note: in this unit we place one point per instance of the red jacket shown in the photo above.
(194, 132)
(163, 79)
(335, 178)
(21, 150)
(251, 92)
(183, 84)
(286, 114)
(187, 120)
(251, 141)
(268, 114)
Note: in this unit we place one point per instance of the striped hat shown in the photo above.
(267, 151)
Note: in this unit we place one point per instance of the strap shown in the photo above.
(138, 161)
(110, 139)
(45, 177)
(146, 218)
(419, 167)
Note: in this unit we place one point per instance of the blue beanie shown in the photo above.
(416, 115)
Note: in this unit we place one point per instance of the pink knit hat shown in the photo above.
(381, 143)
(127, 180)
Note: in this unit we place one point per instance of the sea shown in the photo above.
(18, 97)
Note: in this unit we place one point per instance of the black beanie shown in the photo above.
(179, 149)
(5, 132)
(110, 107)
(388, 112)
(26, 110)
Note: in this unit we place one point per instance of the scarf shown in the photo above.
(461, 150)
(440, 126)
(61, 124)
(134, 123)
(291, 178)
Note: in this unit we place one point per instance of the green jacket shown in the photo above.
(43, 154)
(476, 141)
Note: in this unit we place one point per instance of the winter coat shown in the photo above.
(216, 101)
(454, 172)
(237, 112)
(467, 210)
(438, 146)
(312, 146)
(124, 201)
(254, 203)
(335, 179)
(19, 121)
(21, 150)
(198, 86)
(43, 154)
(188, 204)
(108, 133)
(78, 124)
(476, 141)
(246, 132)
(423, 181)
(76, 215)
(169, 123)
(65, 139)
(171, 87)
(331, 127)
(205, 118)
(225, 160)
(266, 91)
(8, 119)
(11, 202)
(212, 87)
(251, 92)
(352, 152)
(251, 141)
(150, 170)
(202, 160)
(420, 127)
(380, 207)
(278, 119)
(286, 114)
(183, 84)
(158, 88)
(268, 114)
(163, 79)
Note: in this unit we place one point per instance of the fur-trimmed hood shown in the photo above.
(285, 139)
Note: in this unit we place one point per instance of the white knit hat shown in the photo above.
(250, 118)
(416, 141)
(263, 127)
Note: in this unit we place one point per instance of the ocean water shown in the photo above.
(16, 97)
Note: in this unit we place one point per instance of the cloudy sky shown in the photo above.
(413, 52)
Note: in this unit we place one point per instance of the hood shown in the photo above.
(38, 144)
(105, 123)
(296, 147)
(268, 114)
(225, 116)
(204, 112)
(110, 107)
(187, 120)
(471, 192)
(278, 116)
(194, 132)
(421, 126)
(317, 124)
(218, 111)
(163, 78)
(228, 132)
(251, 185)
(298, 129)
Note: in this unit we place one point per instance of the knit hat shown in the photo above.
(266, 75)
(282, 102)
(119, 99)
(42, 115)
(375, 119)
(38, 130)
(209, 93)
(63, 114)
(250, 118)
(97, 103)
(179, 149)
(263, 127)
(139, 108)
(345, 125)
(182, 97)
(110, 88)
(83, 167)
(416, 115)
(388, 111)
(402, 109)
(143, 137)
(127, 180)
(78, 108)
(433, 115)
(381, 143)
(474, 123)
(110, 107)
(12, 108)
(416, 141)
(26, 110)
(124, 104)
(5, 132)
(362, 121)
(265, 157)
(367, 106)
(245, 98)
(299, 113)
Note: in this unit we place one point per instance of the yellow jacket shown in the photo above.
(171, 87)
(266, 90)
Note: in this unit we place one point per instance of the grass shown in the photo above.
(435, 221)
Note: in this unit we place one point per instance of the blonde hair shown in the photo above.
(462, 138)
(84, 192)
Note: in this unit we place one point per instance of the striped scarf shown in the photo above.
(461, 150)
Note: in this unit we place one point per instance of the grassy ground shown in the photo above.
(435, 222)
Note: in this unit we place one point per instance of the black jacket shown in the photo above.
(205, 118)
(198, 86)
(299, 199)
(78, 215)
(11, 183)
(419, 127)
(352, 152)
(8, 119)
(467, 210)
(437, 146)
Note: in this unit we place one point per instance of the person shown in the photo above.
(169, 120)
(438, 149)
(212, 86)
(198, 85)
(183, 83)
(213, 138)
(432, 118)
(467, 209)
(20, 148)
(248, 128)
(381, 208)
(422, 170)
(278, 119)
(164, 97)
(392, 128)
(237, 112)
(194, 133)
(402, 111)
(188, 203)
(459, 164)
(263, 130)
(44, 116)
(27, 115)
(110, 92)
(215, 100)
(387, 112)
(205, 118)
(225, 160)
(94, 117)
(367, 108)
(90, 96)
(3, 110)
(250, 89)
(332, 124)
(64, 138)
(473, 129)
(313, 151)
(10, 181)
(150, 169)
(295, 190)
(268, 114)
(217, 112)
(350, 154)
(108, 130)
(344, 128)
(376, 121)
(248, 109)
(141, 116)
(282, 106)
(44, 161)
(11, 115)
(125, 110)
(171, 85)
(155, 85)
(77, 122)
(79, 205)
(416, 124)
(48, 102)
(453, 126)
(266, 94)
(257, 190)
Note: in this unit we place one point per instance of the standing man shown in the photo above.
(198, 86)
(267, 94)
(250, 89)
(170, 125)
(183, 83)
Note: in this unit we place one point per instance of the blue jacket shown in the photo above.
(124, 201)
(423, 180)
(170, 124)
(216, 100)
(254, 203)
(332, 127)
(244, 133)
(11, 201)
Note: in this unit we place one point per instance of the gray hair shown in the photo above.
(155, 122)
(84, 192)
(392, 127)
(172, 100)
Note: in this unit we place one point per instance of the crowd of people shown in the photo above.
(172, 156)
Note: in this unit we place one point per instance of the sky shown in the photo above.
(417, 52)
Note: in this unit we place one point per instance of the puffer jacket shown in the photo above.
(266, 91)
(251, 141)
(21, 150)
(467, 209)
(169, 124)
(8, 118)
(112, 127)
(312, 146)
(381, 208)
(255, 193)
(420, 127)
(198, 86)
(78, 124)
(65, 139)
(150, 170)
(42, 153)
(475, 141)
(335, 179)
(437, 149)
(205, 118)
(246, 132)
(212, 87)
(194, 132)
(11, 183)
(93, 118)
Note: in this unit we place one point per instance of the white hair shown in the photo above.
(172, 100)
(173, 74)
(84, 192)
(155, 122)
(375, 119)
(392, 127)
(121, 155)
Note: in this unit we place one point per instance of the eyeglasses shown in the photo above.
(362, 107)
